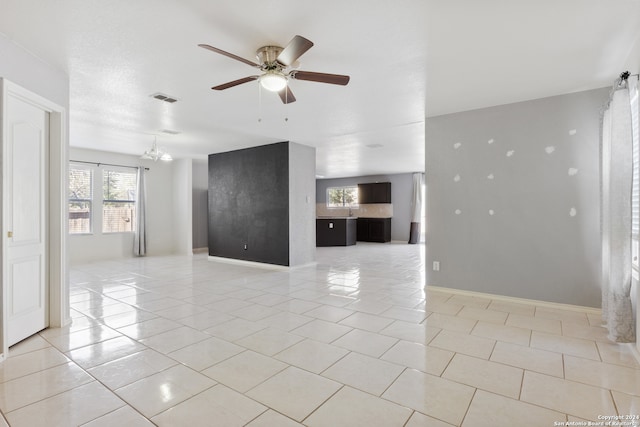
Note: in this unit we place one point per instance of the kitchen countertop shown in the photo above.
(337, 217)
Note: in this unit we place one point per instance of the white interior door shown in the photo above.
(26, 164)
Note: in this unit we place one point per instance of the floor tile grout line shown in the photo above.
(323, 402)
(466, 412)
(61, 393)
(474, 327)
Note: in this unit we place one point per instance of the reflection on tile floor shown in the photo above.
(352, 341)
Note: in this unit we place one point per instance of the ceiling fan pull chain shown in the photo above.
(286, 101)
(259, 103)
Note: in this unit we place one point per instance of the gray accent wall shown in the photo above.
(401, 192)
(261, 204)
(249, 204)
(513, 199)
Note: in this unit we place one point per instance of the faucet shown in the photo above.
(350, 211)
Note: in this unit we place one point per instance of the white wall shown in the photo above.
(24, 69)
(200, 222)
(33, 74)
(160, 213)
(633, 62)
(302, 207)
(182, 206)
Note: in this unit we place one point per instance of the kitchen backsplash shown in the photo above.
(375, 210)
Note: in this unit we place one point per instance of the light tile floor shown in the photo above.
(352, 341)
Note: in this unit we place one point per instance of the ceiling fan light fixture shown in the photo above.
(273, 81)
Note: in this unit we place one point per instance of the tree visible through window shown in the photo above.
(80, 200)
(342, 197)
(118, 201)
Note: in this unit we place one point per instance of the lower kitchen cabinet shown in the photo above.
(335, 231)
(374, 230)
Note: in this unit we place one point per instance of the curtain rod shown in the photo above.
(626, 75)
(106, 164)
(621, 81)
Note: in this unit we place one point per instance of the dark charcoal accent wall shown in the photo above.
(249, 204)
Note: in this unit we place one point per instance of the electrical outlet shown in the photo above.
(245, 246)
(436, 265)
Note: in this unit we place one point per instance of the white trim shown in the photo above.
(537, 303)
(634, 351)
(254, 264)
(57, 214)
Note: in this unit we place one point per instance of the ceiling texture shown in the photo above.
(408, 60)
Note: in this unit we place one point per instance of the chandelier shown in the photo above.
(156, 154)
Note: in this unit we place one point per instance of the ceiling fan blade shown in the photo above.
(230, 55)
(286, 95)
(235, 83)
(334, 79)
(294, 50)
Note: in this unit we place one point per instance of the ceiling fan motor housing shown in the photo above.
(267, 56)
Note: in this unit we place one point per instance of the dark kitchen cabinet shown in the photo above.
(374, 230)
(375, 192)
(336, 231)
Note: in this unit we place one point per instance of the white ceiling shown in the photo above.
(407, 60)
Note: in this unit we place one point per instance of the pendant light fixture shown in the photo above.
(156, 154)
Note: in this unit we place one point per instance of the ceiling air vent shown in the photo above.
(170, 132)
(163, 97)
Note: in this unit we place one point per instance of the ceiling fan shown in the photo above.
(276, 65)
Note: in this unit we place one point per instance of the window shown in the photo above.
(118, 201)
(80, 200)
(342, 197)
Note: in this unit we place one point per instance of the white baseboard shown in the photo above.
(634, 351)
(538, 303)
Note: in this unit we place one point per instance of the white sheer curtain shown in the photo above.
(416, 208)
(617, 175)
(140, 238)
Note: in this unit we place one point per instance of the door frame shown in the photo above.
(56, 216)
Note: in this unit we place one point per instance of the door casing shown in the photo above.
(56, 216)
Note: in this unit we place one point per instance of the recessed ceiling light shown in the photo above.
(170, 132)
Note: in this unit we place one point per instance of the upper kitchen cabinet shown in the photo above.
(375, 192)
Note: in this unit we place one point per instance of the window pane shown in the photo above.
(80, 184)
(80, 197)
(118, 217)
(340, 197)
(79, 217)
(118, 185)
(119, 197)
(334, 197)
(351, 196)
